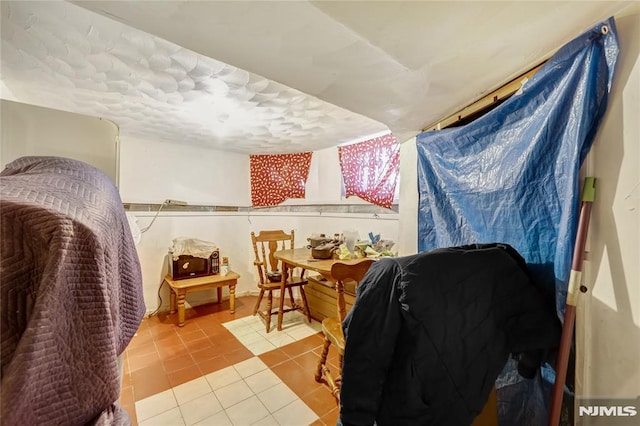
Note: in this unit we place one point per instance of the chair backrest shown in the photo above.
(342, 272)
(265, 244)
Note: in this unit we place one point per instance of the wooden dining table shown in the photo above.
(301, 258)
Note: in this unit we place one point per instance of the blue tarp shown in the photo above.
(512, 176)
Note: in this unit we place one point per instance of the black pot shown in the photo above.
(324, 251)
(315, 242)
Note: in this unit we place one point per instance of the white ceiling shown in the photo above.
(276, 77)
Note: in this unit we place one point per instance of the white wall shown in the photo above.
(231, 232)
(152, 172)
(408, 226)
(324, 181)
(32, 130)
(608, 320)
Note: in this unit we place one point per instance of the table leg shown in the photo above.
(232, 298)
(219, 295)
(282, 291)
(172, 301)
(181, 295)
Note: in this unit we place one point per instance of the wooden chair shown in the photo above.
(265, 244)
(332, 327)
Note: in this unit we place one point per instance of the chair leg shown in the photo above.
(304, 302)
(323, 372)
(323, 360)
(335, 388)
(269, 307)
(293, 301)
(255, 309)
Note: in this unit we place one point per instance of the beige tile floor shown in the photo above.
(225, 369)
(251, 331)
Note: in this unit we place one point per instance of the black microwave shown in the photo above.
(186, 266)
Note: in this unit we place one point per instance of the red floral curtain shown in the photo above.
(274, 178)
(370, 169)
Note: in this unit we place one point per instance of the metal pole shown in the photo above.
(588, 196)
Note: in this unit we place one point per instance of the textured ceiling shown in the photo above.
(353, 69)
(58, 55)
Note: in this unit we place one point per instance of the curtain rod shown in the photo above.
(486, 101)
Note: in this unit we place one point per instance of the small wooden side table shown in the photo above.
(180, 288)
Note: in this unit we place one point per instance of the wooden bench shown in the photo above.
(180, 288)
